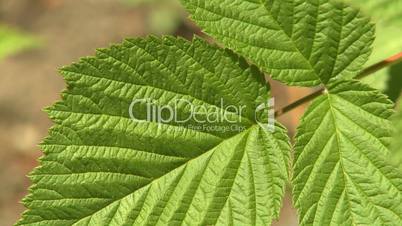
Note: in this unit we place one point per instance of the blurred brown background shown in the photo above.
(66, 30)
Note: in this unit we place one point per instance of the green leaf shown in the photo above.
(396, 145)
(398, 124)
(103, 168)
(341, 172)
(299, 42)
(12, 41)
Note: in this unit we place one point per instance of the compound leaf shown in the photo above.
(106, 166)
(341, 172)
(299, 42)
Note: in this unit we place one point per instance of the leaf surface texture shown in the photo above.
(102, 168)
(298, 42)
(341, 172)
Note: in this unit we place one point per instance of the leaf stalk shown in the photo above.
(366, 72)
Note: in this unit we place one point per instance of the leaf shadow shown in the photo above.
(394, 82)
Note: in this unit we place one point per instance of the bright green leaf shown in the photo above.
(341, 172)
(103, 168)
(299, 42)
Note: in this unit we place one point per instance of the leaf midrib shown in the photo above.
(346, 177)
(210, 151)
(157, 88)
(307, 61)
(341, 158)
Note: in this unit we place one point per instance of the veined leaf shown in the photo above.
(299, 42)
(396, 145)
(103, 168)
(341, 172)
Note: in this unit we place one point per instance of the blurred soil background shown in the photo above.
(64, 31)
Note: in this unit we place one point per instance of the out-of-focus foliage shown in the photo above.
(12, 41)
(164, 15)
(394, 83)
(139, 2)
(387, 14)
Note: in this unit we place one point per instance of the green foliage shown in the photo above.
(299, 42)
(103, 168)
(396, 145)
(12, 41)
(341, 171)
(162, 17)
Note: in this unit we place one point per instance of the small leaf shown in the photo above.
(341, 172)
(299, 42)
(101, 167)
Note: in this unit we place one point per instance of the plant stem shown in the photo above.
(299, 102)
(380, 65)
(368, 71)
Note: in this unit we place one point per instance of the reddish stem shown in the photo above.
(368, 71)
